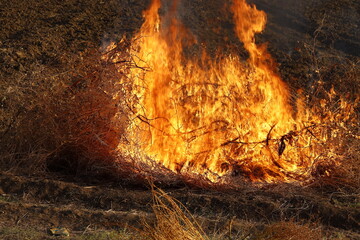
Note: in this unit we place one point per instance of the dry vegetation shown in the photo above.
(173, 221)
(54, 119)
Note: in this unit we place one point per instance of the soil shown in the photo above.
(41, 32)
(51, 201)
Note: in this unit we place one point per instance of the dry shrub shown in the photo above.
(345, 143)
(289, 230)
(328, 76)
(173, 220)
(62, 117)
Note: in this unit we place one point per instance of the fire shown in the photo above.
(215, 117)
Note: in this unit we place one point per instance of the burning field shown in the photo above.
(256, 100)
(222, 116)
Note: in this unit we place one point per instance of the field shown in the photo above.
(56, 140)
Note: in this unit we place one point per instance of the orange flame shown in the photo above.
(215, 117)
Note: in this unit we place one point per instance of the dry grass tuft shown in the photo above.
(173, 220)
(289, 230)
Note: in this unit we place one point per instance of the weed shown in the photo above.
(173, 220)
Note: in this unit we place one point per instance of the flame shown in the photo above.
(215, 117)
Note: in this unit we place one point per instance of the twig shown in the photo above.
(269, 135)
(87, 227)
(20, 218)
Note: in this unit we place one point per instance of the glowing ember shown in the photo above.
(215, 117)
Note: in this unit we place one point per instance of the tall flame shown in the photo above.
(213, 117)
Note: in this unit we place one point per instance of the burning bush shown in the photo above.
(146, 106)
(226, 117)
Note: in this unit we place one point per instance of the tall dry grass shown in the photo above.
(173, 220)
(62, 117)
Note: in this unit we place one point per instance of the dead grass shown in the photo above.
(173, 220)
(289, 230)
(330, 81)
(59, 118)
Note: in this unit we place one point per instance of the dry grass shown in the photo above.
(59, 118)
(173, 220)
(289, 230)
(333, 79)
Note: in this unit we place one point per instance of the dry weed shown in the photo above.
(59, 118)
(289, 230)
(173, 220)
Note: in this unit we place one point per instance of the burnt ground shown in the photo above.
(44, 202)
(38, 34)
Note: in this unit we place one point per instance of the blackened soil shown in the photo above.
(52, 202)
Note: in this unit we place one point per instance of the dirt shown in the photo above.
(51, 201)
(39, 33)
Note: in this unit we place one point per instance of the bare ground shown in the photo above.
(45, 202)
